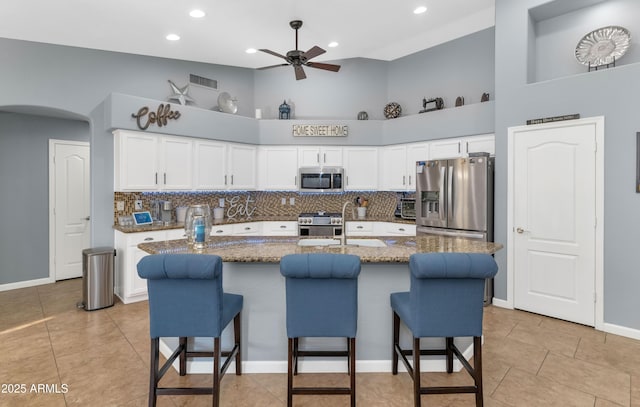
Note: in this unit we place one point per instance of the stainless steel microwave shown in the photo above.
(320, 179)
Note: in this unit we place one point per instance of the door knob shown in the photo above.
(520, 230)
(87, 218)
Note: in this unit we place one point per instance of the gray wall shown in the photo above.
(78, 79)
(611, 93)
(24, 182)
(464, 67)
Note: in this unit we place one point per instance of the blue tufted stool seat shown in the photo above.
(186, 300)
(445, 300)
(322, 301)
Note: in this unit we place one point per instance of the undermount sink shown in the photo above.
(336, 242)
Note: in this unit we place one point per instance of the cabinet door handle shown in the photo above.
(165, 178)
(401, 229)
(318, 157)
(358, 227)
(403, 180)
(156, 178)
(283, 226)
(458, 147)
(325, 158)
(225, 180)
(295, 180)
(247, 228)
(148, 239)
(231, 179)
(219, 231)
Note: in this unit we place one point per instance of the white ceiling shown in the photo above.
(376, 29)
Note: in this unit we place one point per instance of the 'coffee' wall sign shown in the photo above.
(164, 113)
(319, 130)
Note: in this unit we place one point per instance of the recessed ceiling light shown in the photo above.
(333, 44)
(173, 37)
(251, 51)
(197, 13)
(420, 10)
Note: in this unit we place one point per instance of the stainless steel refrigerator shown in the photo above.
(455, 198)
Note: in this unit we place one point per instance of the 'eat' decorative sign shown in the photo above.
(144, 118)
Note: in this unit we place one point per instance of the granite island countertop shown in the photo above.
(270, 249)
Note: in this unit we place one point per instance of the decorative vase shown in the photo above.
(197, 225)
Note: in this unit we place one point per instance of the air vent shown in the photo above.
(201, 81)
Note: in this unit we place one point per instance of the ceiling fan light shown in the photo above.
(332, 44)
(172, 37)
(420, 10)
(197, 13)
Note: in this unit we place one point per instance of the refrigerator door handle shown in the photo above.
(450, 193)
(441, 208)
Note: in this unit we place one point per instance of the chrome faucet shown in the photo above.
(343, 236)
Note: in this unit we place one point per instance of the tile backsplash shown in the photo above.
(266, 203)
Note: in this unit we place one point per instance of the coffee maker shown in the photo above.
(166, 212)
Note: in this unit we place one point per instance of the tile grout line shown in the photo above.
(53, 352)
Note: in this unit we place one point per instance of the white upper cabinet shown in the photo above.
(152, 162)
(480, 144)
(241, 171)
(461, 147)
(176, 161)
(136, 161)
(360, 168)
(315, 156)
(278, 168)
(397, 165)
(210, 165)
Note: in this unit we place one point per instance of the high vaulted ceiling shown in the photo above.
(384, 30)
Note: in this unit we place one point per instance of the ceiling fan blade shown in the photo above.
(327, 67)
(299, 72)
(268, 51)
(314, 52)
(271, 66)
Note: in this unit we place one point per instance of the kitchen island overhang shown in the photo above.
(251, 268)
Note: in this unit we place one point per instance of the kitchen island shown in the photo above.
(251, 268)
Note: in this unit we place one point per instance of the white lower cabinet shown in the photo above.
(394, 229)
(221, 230)
(246, 229)
(128, 286)
(359, 228)
(287, 228)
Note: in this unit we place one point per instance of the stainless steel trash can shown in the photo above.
(97, 278)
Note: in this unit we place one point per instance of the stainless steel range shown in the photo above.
(320, 224)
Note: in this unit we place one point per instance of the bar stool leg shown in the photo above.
(295, 355)
(477, 369)
(183, 355)
(416, 372)
(216, 371)
(449, 354)
(236, 340)
(396, 341)
(290, 373)
(153, 381)
(352, 368)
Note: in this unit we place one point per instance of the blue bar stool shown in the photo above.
(445, 300)
(322, 301)
(186, 300)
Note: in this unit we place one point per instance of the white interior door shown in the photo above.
(70, 199)
(554, 221)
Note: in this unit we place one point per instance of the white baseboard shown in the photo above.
(622, 331)
(501, 303)
(25, 284)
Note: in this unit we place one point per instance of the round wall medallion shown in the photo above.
(392, 110)
(603, 46)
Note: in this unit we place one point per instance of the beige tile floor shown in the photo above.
(101, 359)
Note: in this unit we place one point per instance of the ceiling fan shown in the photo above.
(299, 58)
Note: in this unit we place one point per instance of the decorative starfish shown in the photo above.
(180, 94)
